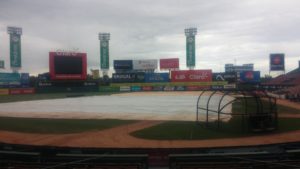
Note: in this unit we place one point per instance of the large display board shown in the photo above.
(67, 66)
(277, 62)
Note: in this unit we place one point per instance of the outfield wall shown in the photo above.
(167, 86)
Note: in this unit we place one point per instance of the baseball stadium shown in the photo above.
(146, 113)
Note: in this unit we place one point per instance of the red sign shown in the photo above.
(191, 76)
(22, 91)
(169, 63)
(147, 88)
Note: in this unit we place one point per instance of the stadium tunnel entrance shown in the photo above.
(250, 111)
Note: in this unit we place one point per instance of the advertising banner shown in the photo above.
(180, 88)
(44, 84)
(25, 79)
(169, 88)
(124, 88)
(149, 64)
(217, 87)
(147, 88)
(196, 88)
(104, 54)
(158, 88)
(123, 64)
(4, 92)
(277, 62)
(190, 51)
(172, 63)
(2, 66)
(109, 89)
(136, 88)
(250, 77)
(9, 79)
(228, 76)
(15, 51)
(156, 77)
(191, 76)
(128, 77)
(229, 86)
(22, 91)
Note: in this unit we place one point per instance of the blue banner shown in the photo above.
(250, 77)
(277, 62)
(128, 77)
(157, 77)
(25, 78)
(123, 64)
(10, 80)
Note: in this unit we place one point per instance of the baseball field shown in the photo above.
(128, 120)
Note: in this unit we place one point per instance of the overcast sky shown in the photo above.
(229, 31)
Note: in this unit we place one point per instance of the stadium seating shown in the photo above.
(289, 85)
(278, 156)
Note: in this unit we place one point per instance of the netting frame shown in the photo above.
(260, 112)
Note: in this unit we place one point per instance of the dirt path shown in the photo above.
(119, 137)
(289, 104)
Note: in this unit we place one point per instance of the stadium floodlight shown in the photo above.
(14, 30)
(190, 31)
(104, 36)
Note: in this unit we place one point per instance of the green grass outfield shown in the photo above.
(182, 130)
(58, 126)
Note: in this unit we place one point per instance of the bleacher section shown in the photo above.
(285, 86)
(237, 161)
(291, 78)
(279, 156)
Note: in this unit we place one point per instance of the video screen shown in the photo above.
(67, 65)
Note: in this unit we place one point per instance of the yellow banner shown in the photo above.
(4, 91)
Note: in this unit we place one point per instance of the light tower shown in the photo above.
(15, 47)
(190, 34)
(104, 52)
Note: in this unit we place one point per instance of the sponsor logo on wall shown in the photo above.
(191, 76)
(277, 62)
(250, 77)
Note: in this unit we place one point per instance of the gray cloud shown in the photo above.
(245, 31)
